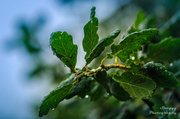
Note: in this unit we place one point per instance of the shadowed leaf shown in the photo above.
(158, 104)
(81, 88)
(168, 50)
(96, 92)
(159, 74)
(139, 19)
(111, 86)
(101, 79)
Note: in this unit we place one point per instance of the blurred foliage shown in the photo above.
(161, 14)
(28, 41)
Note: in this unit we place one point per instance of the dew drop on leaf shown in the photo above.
(86, 96)
(171, 64)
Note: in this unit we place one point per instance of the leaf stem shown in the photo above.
(102, 62)
(106, 67)
(75, 82)
(75, 70)
(116, 60)
(86, 68)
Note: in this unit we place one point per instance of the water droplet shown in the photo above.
(171, 64)
(86, 96)
(52, 108)
(133, 58)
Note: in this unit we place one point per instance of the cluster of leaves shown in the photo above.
(138, 79)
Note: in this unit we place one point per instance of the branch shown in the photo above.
(105, 67)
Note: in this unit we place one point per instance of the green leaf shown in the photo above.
(168, 50)
(99, 48)
(132, 43)
(139, 19)
(137, 85)
(160, 75)
(81, 88)
(96, 92)
(175, 68)
(52, 100)
(62, 45)
(90, 34)
(101, 78)
(151, 21)
(111, 86)
(135, 67)
(117, 91)
(158, 104)
(173, 116)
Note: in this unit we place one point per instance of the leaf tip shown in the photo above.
(40, 115)
(40, 111)
(93, 12)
